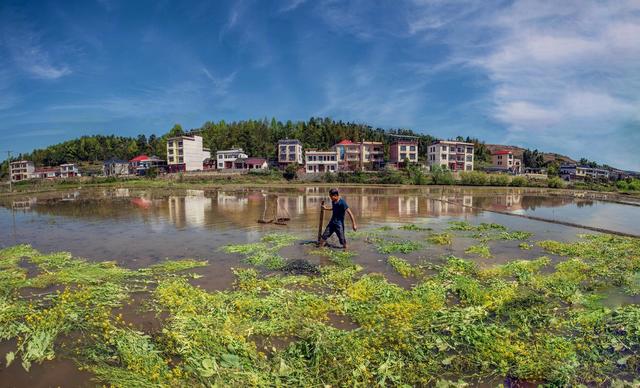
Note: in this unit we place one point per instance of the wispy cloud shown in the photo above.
(221, 84)
(290, 5)
(25, 47)
(556, 69)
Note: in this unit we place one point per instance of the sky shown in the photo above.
(559, 76)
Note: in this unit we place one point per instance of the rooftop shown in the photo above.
(254, 161)
(345, 142)
(452, 142)
(289, 141)
(502, 152)
(139, 158)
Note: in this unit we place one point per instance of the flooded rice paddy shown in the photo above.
(422, 258)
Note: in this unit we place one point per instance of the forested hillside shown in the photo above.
(256, 137)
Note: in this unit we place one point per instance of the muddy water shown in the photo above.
(140, 227)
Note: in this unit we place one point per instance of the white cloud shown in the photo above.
(221, 84)
(26, 49)
(558, 69)
(290, 5)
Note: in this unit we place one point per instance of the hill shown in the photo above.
(518, 152)
(256, 137)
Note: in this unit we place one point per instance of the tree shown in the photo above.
(533, 159)
(175, 131)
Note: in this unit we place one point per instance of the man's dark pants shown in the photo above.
(338, 229)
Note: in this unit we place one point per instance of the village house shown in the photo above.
(504, 160)
(141, 164)
(69, 170)
(402, 150)
(21, 170)
(289, 151)
(186, 153)
(574, 172)
(364, 155)
(226, 158)
(320, 161)
(250, 164)
(453, 155)
(115, 167)
(46, 172)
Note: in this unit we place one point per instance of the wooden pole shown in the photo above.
(321, 220)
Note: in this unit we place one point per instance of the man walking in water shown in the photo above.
(336, 224)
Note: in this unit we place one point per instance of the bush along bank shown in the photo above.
(525, 320)
(411, 175)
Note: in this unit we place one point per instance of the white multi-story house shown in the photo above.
(21, 170)
(68, 170)
(186, 153)
(402, 150)
(115, 167)
(289, 151)
(320, 161)
(364, 155)
(572, 172)
(225, 158)
(453, 155)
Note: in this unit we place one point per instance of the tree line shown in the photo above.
(256, 137)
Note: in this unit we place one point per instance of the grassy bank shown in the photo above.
(391, 178)
(292, 323)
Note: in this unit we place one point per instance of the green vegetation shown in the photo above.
(265, 252)
(488, 231)
(403, 267)
(413, 228)
(440, 238)
(527, 320)
(390, 246)
(481, 250)
(628, 185)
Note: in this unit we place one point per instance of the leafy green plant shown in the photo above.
(481, 250)
(440, 238)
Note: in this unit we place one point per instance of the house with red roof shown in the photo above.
(141, 164)
(505, 160)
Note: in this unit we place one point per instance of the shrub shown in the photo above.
(499, 180)
(519, 181)
(555, 183)
(473, 178)
(291, 171)
(441, 176)
(389, 176)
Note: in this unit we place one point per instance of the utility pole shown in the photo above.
(9, 167)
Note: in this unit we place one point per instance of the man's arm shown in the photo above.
(353, 220)
(327, 207)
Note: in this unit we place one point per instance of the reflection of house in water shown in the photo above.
(231, 201)
(24, 204)
(190, 210)
(407, 206)
(450, 205)
(121, 193)
(294, 204)
(72, 196)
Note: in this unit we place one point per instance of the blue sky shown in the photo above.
(558, 76)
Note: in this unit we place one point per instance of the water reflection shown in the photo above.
(241, 209)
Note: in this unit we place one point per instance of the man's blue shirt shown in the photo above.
(339, 208)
